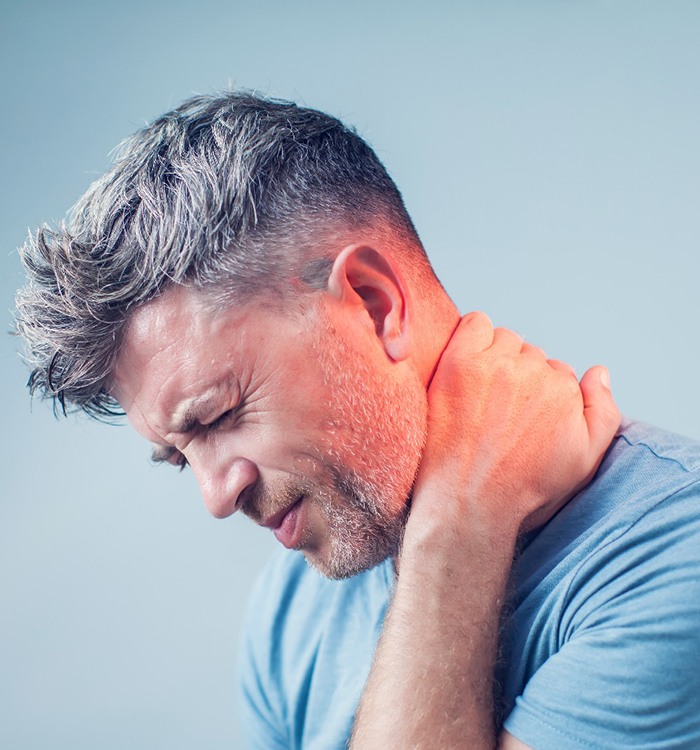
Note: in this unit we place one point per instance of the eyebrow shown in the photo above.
(188, 421)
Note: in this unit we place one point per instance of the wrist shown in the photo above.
(451, 539)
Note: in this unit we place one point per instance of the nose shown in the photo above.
(223, 486)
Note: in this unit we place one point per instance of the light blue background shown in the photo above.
(549, 154)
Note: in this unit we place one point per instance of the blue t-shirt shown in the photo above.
(600, 649)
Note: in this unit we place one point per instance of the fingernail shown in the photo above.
(605, 377)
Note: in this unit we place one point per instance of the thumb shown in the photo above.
(599, 408)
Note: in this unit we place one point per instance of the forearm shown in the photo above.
(511, 436)
(431, 683)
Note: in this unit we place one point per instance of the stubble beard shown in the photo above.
(376, 436)
(360, 533)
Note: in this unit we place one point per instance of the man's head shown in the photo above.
(238, 221)
(235, 194)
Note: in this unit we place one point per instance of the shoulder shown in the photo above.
(647, 494)
(609, 601)
(650, 448)
(638, 521)
(647, 487)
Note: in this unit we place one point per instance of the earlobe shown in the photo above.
(363, 276)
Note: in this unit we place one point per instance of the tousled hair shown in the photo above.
(234, 194)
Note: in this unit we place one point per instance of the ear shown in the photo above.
(366, 278)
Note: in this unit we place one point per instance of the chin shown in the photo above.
(335, 571)
(354, 548)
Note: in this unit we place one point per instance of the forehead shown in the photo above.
(176, 345)
(181, 315)
(176, 322)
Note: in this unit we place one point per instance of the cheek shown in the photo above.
(293, 446)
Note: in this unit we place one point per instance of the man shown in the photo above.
(246, 285)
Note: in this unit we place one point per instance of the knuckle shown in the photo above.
(477, 317)
(476, 321)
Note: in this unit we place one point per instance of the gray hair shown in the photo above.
(232, 193)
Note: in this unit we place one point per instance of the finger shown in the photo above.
(599, 408)
(506, 341)
(559, 366)
(532, 350)
(474, 333)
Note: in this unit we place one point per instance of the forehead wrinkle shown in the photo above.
(176, 376)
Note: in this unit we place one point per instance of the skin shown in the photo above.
(268, 408)
(512, 436)
(330, 405)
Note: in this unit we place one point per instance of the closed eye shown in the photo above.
(222, 420)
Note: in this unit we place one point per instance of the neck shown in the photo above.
(437, 321)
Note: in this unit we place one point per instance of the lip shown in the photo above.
(274, 521)
(287, 524)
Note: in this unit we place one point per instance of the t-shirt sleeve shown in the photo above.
(626, 672)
